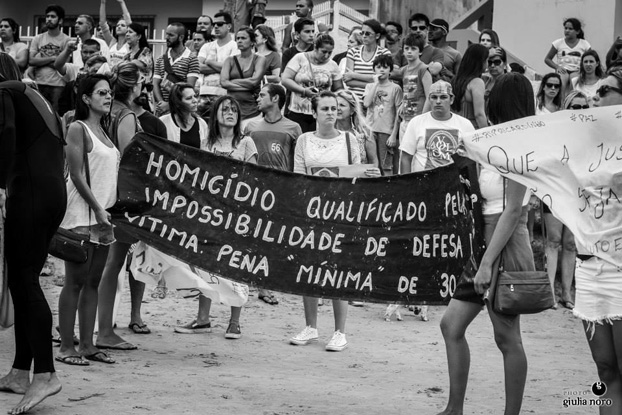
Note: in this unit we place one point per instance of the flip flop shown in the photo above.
(567, 304)
(118, 346)
(139, 328)
(100, 357)
(269, 299)
(72, 360)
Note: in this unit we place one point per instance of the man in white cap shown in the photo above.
(433, 137)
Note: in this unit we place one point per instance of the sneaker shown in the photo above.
(194, 328)
(306, 336)
(424, 313)
(233, 331)
(337, 343)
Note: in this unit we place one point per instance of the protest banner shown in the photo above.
(571, 160)
(400, 238)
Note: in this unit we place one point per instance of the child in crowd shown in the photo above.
(382, 98)
(416, 80)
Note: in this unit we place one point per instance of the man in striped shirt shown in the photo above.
(178, 64)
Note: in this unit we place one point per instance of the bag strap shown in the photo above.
(172, 76)
(87, 168)
(237, 64)
(310, 68)
(349, 149)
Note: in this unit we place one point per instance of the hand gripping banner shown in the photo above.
(400, 238)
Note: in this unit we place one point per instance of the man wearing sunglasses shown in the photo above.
(437, 35)
(419, 24)
(211, 57)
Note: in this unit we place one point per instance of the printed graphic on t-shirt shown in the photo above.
(50, 50)
(440, 144)
(410, 101)
(223, 153)
(381, 98)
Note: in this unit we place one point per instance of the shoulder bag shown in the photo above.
(521, 292)
(66, 244)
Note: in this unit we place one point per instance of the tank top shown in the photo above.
(103, 169)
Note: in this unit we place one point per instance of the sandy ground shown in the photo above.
(396, 367)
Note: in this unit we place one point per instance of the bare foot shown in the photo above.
(42, 386)
(17, 381)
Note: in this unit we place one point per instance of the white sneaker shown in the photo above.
(306, 336)
(337, 343)
(424, 313)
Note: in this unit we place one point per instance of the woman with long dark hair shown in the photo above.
(590, 74)
(33, 198)
(468, 86)
(11, 44)
(505, 219)
(489, 38)
(549, 96)
(567, 51)
(91, 190)
(139, 50)
(182, 124)
(127, 83)
(225, 138)
(265, 45)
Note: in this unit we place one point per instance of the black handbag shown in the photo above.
(66, 244)
(520, 292)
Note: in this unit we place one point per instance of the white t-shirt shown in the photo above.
(211, 51)
(103, 50)
(588, 90)
(570, 58)
(313, 151)
(432, 142)
(321, 76)
(117, 54)
(491, 186)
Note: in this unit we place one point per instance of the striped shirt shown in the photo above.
(363, 67)
(184, 67)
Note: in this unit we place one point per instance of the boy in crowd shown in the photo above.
(416, 81)
(382, 98)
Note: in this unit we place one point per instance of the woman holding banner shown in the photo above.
(599, 290)
(224, 139)
(507, 238)
(127, 83)
(326, 147)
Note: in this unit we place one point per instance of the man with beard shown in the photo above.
(204, 24)
(44, 49)
(393, 40)
(178, 64)
(437, 35)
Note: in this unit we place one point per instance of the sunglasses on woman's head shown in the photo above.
(552, 86)
(605, 89)
(495, 62)
(579, 107)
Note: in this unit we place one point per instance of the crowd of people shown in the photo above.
(231, 91)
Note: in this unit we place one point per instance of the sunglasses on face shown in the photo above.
(103, 92)
(420, 28)
(367, 33)
(552, 86)
(218, 24)
(605, 89)
(495, 62)
(579, 107)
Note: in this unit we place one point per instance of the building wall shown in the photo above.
(528, 27)
(401, 10)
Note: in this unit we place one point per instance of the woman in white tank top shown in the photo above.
(89, 195)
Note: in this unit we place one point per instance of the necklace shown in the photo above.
(273, 122)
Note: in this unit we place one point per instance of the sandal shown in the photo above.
(269, 299)
(72, 360)
(101, 357)
(139, 328)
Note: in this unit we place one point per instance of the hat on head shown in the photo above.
(440, 23)
(441, 87)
